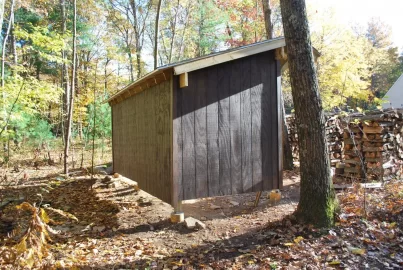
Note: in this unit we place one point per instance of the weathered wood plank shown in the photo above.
(266, 69)
(201, 133)
(188, 133)
(177, 146)
(224, 129)
(274, 116)
(280, 130)
(256, 115)
(144, 148)
(235, 127)
(246, 126)
(213, 153)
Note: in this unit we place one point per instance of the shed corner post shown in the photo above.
(280, 114)
(113, 159)
(177, 215)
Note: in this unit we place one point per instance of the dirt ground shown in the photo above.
(118, 227)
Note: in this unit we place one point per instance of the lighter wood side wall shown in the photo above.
(142, 139)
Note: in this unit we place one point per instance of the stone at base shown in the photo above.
(177, 217)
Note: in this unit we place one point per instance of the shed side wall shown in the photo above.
(226, 129)
(142, 139)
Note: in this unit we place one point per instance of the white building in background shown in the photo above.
(394, 97)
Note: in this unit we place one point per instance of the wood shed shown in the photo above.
(204, 127)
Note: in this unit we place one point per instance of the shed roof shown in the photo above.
(163, 73)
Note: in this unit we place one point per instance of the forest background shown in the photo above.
(62, 54)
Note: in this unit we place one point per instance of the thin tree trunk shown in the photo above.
(13, 42)
(94, 126)
(2, 2)
(3, 49)
(173, 33)
(317, 199)
(3, 56)
(157, 22)
(267, 19)
(71, 103)
(65, 75)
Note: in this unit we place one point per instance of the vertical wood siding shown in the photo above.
(226, 129)
(142, 139)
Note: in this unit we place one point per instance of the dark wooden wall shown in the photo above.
(142, 139)
(226, 129)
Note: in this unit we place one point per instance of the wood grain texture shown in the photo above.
(201, 133)
(235, 126)
(213, 154)
(256, 115)
(280, 115)
(267, 121)
(142, 143)
(246, 126)
(188, 133)
(218, 136)
(177, 145)
(224, 129)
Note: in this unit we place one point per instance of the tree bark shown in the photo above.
(3, 49)
(65, 75)
(267, 18)
(2, 2)
(287, 151)
(157, 22)
(317, 200)
(71, 103)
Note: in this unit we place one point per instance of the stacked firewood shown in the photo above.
(334, 136)
(293, 136)
(370, 146)
(383, 145)
(352, 155)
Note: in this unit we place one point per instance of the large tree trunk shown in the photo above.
(71, 103)
(287, 151)
(317, 200)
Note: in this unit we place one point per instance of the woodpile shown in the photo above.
(352, 154)
(334, 138)
(293, 136)
(370, 146)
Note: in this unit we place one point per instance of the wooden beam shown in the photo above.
(230, 55)
(183, 80)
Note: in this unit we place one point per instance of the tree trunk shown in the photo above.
(71, 103)
(287, 151)
(65, 75)
(317, 200)
(267, 18)
(157, 22)
(3, 49)
(13, 43)
(2, 2)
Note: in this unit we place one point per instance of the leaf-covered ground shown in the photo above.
(121, 228)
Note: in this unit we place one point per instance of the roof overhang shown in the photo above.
(229, 55)
(165, 72)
